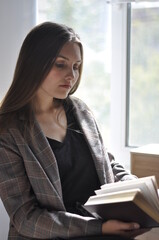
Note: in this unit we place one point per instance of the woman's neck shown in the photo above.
(52, 119)
(42, 106)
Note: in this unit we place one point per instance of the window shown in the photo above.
(123, 95)
(143, 121)
(125, 98)
(91, 19)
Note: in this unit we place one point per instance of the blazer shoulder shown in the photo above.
(12, 135)
(79, 104)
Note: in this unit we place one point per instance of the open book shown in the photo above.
(131, 201)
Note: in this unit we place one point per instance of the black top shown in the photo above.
(76, 167)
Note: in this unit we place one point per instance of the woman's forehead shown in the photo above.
(71, 50)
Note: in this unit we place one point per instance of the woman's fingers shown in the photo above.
(115, 227)
(127, 226)
(127, 230)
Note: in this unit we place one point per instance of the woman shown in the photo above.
(51, 152)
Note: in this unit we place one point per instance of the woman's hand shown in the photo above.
(124, 229)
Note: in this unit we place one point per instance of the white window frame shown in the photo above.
(119, 85)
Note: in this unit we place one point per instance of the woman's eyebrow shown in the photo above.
(61, 56)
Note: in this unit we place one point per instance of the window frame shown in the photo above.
(119, 83)
(129, 98)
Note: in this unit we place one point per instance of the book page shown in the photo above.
(147, 185)
(130, 182)
(122, 196)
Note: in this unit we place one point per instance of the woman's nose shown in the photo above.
(71, 73)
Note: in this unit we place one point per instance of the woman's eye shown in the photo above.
(63, 65)
(59, 65)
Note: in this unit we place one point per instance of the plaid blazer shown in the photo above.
(30, 186)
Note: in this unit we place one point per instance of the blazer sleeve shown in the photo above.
(120, 173)
(26, 215)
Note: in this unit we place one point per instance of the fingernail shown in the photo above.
(136, 226)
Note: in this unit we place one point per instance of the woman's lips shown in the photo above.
(67, 86)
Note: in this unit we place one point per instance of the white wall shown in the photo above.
(17, 17)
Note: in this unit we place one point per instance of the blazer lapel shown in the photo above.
(89, 128)
(44, 158)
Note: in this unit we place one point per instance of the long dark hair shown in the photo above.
(36, 58)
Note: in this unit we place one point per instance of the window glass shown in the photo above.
(144, 75)
(91, 19)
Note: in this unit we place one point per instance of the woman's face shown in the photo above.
(64, 73)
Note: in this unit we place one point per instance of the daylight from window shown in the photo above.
(91, 19)
(144, 75)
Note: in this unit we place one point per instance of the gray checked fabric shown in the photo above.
(30, 186)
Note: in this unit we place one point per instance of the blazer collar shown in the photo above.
(42, 151)
(88, 125)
